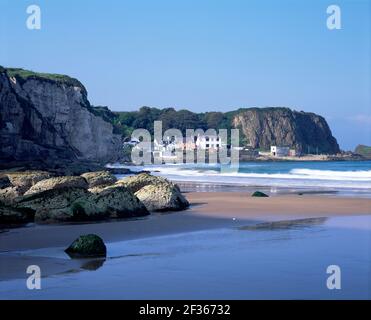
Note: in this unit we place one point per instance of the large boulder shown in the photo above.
(26, 179)
(87, 246)
(78, 204)
(57, 205)
(117, 201)
(100, 178)
(58, 183)
(137, 182)
(162, 197)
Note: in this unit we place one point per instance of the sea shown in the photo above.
(345, 178)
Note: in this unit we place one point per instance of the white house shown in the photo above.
(209, 142)
(133, 142)
(280, 151)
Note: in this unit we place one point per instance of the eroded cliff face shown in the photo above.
(306, 132)
(48, 117)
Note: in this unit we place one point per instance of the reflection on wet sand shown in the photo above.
(285, 224)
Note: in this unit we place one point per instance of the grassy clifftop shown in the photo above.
(24, 75)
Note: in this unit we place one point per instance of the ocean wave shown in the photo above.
(293, 178)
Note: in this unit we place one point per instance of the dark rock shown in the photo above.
(4, 182)
(101, 178)
(87, 246)
(12, 216)
(259, 194)
(121, 171)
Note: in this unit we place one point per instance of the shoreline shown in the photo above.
(208, 210)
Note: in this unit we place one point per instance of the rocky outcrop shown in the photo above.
(156, 193)
(9, 195)
(101, 178)
(48, 118)
(87, 246)
(116, 201)
(58, 183)
(26, 179)
(305, 132)
(364, 151)
(56, 205)
(137, 182)
(162, 197)
(69, 199)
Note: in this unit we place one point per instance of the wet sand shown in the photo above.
(208, 211)
(20, 247)
(242, 206)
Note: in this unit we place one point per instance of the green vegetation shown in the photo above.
(127, 122)
(364, 151)
(26, 74)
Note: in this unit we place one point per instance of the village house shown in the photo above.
(209, 142)
(280, 151)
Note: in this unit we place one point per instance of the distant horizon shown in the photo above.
(205, 55)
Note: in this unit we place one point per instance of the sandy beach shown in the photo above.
(208, 210)
(151, 238)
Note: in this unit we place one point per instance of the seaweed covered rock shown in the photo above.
(58, 183)
(259, 194)
(162, 197)
(100, 178)
(87, 246)
(117, 202)
(137, 182)
(57, 205)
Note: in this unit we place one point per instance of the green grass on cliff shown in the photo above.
(27, 74)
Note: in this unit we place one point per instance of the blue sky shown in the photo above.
(204, 55)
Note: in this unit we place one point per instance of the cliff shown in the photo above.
(259, 127)
(306, 132)
(364, 151)
(47, 117)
